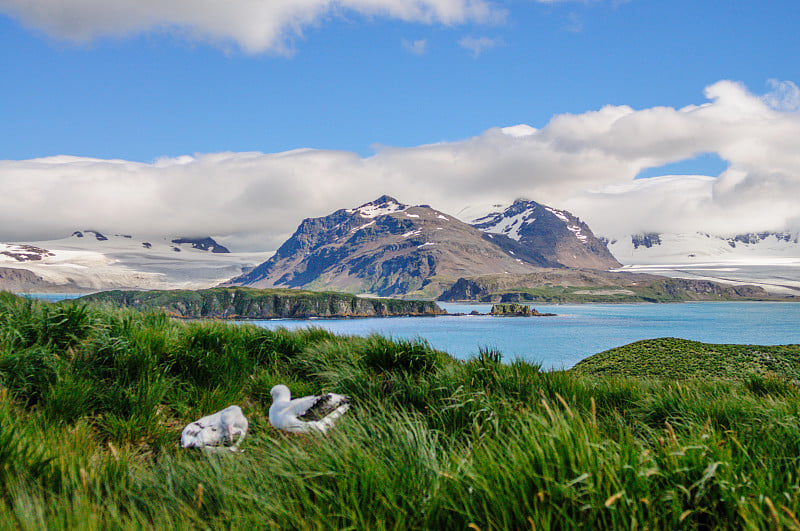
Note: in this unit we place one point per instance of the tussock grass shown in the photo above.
(92, 402)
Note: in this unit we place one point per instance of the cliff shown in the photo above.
(249, 303)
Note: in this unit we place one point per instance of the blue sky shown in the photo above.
(350, 83)
(137, 85)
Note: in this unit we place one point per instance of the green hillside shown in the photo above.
(250, 303)
(679, 359)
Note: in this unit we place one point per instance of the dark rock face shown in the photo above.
(80, 234)
(754, 238)
(464, 290)
(648, 240)
(546, 237)
(26, 253)
(99, 237)
(204, 244)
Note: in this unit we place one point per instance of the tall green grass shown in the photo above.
(92, 403)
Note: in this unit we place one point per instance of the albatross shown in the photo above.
(313, 413)
(216, 429)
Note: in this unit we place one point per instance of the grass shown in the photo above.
(92, 402)
(680, 359)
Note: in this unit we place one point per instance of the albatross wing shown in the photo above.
(314, 413)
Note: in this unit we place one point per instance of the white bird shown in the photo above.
(216, 429)
(314, 413)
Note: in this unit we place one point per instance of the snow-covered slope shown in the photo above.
(90, 261)
(698, 247)
(771, 260)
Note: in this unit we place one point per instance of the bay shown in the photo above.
(577, 331)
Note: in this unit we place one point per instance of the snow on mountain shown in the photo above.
(508, 225)
(769, 259)
(89, 260)
(653, 248)
(556, 235)
(383, 206)
(386, 248)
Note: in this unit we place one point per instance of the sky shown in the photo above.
(240, 118)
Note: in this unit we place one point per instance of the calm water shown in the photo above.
(579, 331)
(51, 297)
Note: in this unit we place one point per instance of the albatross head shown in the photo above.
(280, 393)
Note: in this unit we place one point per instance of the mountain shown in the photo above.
(23, 281)
(89, 260)
(204, 244)
(387, 248)
(555, 235)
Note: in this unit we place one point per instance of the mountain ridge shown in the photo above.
(388, 248)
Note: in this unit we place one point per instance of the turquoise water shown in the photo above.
(581, 330)
(51, 297)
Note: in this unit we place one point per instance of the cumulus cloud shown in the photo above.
(585, 162)
(478, 45)
(256, 26)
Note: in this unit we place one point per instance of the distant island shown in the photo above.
(516, 310)
(251, 303)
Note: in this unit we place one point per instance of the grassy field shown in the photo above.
(92, 402)
(679, 359)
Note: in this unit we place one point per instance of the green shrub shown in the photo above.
(412, 355)
(29, 373)
(770, 384)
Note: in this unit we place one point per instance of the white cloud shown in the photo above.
(417, 47)
(255, 25)
(585, 162)
(478, 45)
(785, 96)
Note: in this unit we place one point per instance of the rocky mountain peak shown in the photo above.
(554, 234)
(382, 206)
(203, 244)
(97, 235)
(383, 247)
(388, 248)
